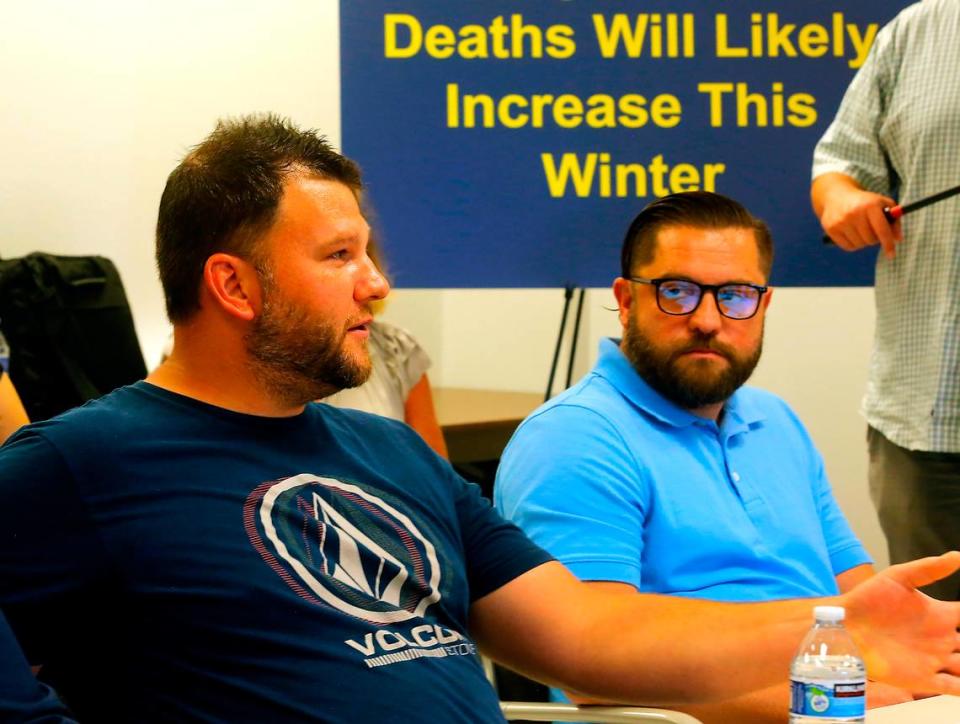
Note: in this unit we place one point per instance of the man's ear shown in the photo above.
(233, 284)
(767, 298)
(623, 291)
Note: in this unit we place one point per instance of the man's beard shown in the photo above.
(691, 384)
(300, 359)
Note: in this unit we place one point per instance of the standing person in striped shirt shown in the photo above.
(896, 137)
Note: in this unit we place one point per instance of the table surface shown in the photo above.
(478, 423)
(462, 407)
(935, 710)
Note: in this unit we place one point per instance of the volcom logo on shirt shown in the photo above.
(336, 543)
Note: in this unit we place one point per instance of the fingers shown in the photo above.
(926, 570)
(953, 665)
(946, 684)
(856, 220)
(851, 235)
(882, 230)
(945, 681)
(841, 240)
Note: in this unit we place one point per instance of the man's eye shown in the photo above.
(677, 291)
(735, 294)
(339, 255)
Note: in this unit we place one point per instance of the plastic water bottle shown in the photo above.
(827, 678)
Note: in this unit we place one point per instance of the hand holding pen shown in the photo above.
(861, 218)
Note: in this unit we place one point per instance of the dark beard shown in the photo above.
(688, 388)
(300, 360)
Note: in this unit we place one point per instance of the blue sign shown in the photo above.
(510, 144)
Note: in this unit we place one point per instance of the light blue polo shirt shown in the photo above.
(622, 485)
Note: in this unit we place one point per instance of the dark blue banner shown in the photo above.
(509, 144)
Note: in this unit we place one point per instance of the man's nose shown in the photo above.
(373, 285)
(706, 317)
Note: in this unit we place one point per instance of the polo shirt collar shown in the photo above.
(739, 412)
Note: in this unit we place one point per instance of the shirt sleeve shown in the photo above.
(495, 550)
(23, 698)
(844, 548)
(49, 554)
(851, 144)
(568, 480)
(403, 356)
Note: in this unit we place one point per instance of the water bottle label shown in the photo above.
(826, 698)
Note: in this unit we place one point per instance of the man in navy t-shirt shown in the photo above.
(209, 545)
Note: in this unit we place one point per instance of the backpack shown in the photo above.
(70, 331)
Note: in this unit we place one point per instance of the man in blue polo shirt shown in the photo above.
(659, 471)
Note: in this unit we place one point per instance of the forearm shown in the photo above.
(682, 649)
(669, 650)
(765, 706)
(678, 651)
(825, 185)
(648, 648)
(641, 648)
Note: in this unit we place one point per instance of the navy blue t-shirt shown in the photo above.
(169, 560)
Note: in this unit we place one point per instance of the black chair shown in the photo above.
(70, 331)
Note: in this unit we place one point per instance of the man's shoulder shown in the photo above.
(924, 13)
(591, 400)
(588, 421)
(93, 417)
(595, 393)
(580, 435)
(917, 25)
(53, 450)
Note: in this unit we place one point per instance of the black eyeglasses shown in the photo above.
(681, 296)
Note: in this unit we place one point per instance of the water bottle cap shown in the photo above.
(829, 614)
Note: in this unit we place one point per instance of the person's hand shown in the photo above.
(907, 638)
(854, 219)
(880, 694)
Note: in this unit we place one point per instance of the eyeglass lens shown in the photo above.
(734, 300)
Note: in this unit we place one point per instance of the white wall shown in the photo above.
(100, 100)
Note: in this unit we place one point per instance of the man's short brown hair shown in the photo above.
(698, 209)
(224, 195)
